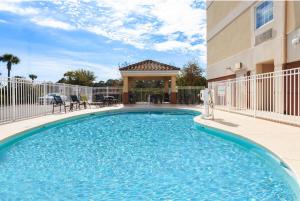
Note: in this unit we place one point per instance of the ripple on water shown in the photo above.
(136, 156)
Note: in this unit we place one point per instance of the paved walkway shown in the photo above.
(281, 139)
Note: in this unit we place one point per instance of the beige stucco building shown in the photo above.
(250, 37)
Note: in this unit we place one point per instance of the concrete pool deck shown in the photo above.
(281, 139)
(10, 129)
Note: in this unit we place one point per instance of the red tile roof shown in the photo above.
(149, 65)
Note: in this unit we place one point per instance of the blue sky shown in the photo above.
(52, 37)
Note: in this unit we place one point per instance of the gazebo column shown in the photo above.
(125, 90)
(173, 90)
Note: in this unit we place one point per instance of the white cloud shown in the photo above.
(48, 22)
(162, 25)
(171, 45)
(199, 47)
(3, 21)
(179, 16)
(14, 7)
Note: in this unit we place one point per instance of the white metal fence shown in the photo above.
(274, 96)
(185, 94)
(21, 98)
(189, 94)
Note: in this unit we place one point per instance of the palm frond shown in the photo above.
(15, 60)
(9, 58)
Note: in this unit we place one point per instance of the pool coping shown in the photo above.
(285, 153)
(288, 154)
(14, 128)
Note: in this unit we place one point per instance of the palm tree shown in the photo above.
(10, 60)
(32, 76)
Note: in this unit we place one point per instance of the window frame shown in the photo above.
(255, 18)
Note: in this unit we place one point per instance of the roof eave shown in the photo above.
(150, 73)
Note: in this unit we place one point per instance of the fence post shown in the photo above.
(44, 99)
(64, 89)
(77, 90)
(227, 90)
(13, 85)
(91, 94)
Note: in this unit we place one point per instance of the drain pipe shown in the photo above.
(284, 39)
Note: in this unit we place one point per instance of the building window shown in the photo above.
(263, 13)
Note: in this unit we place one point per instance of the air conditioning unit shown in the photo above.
(267, 35)
(238, 66)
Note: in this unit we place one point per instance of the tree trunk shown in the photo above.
(8, 69)
(8, 81)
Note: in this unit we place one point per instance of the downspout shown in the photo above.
(284, 61)
(285, 36)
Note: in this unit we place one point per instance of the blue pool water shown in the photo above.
(138, 156)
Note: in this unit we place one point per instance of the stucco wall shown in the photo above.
(236, 43)
(293, 15)
(233, 39)
(218, 10)
(293, 30)
(293, 51)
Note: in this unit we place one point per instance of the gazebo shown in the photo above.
(149, 70)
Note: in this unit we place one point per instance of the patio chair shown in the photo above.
(152, 98)
(99, 100)
(156, 98)
(110, 100)
(131, 98)
(166, 98)
(159, 98)
(115, 98)
(58, 102)
(77, 102)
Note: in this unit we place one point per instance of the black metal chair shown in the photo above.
(58, 102)
(166, 98)
(77, 102)
(110, 100)
(156, 98)
(159, 98)
(115, 98)
(99, 100)
(131, 98)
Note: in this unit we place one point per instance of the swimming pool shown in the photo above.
(140, 155)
